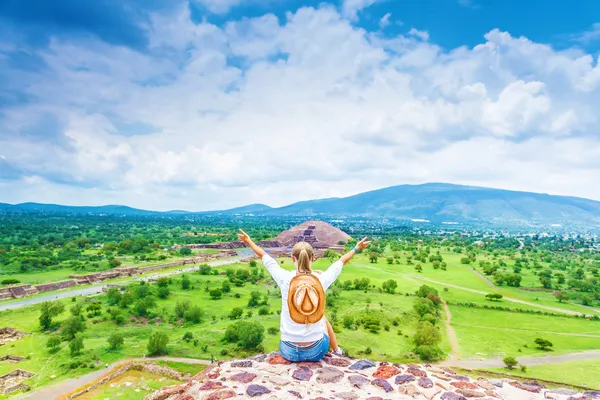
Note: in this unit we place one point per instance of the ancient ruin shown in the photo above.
(10, 335)
(14, 381)
(11, 359)
(271, 377)
(319, 234)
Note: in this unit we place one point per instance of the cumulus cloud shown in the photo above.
(277, 110)
(351, 8)
(589, 35)
(385, 21)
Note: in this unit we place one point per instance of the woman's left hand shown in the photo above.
(244, 237)
(362, 244)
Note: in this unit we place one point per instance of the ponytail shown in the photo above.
(303, 252)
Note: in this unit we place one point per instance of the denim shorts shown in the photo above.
(313, 352)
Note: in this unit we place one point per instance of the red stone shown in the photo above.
(386, 372)
(529, 388)
(470, 393)
(184, 397)
(243, 377)
(277, 360)
(309, 364)
(170, 391)
(211, 385)
(337, 362)
(416, 371)
(464, 385)
(220, 395)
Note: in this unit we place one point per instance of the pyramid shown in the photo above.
(319, 234)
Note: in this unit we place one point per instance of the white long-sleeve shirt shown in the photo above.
(292, 331)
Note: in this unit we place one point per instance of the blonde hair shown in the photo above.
(303, 252)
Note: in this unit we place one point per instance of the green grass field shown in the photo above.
(132, 385)
(481, 333)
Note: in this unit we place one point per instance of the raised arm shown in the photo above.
(360, 246)
(243, 236)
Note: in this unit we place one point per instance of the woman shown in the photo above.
(308, 341)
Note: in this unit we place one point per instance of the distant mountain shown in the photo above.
(440, 202)
(434, 202)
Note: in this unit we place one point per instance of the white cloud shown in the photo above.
(590, 35)
(263, 110)
(219, 6)
(351, 8)
(423, 35)
(385, 21)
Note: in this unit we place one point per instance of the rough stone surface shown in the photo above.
(385, 372)
(271, 377)
(382, 383)
(362, 364)
(329, 375)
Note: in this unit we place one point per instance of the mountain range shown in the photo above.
(434, 202)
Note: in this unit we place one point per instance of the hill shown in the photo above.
(435, 202)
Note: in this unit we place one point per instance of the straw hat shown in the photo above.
(306, 299)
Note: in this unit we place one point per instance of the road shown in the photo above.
(97, 289)
(454, 355)
(496, 362)
(70, 385)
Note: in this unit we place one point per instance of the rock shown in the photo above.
(484, 384)
(277, 360)
(464, 385)
(241, 364)
(302, 374)
(256, 390)
(409, 390)
(211, 385)
(522, 386)
(358, 381)
(295, 394)
(279, 381)
(448, 371)
(563, 391)
(442, 377)
(382, 383)
(337, 361)
(535, 383)
(374, 398)
(550, 396)
(243, 377)
(386, 372)
(425, 382)
(260, 358)
(309, 364)
(470, 393)
(497, 382)
(461, 378)
(220, 395)
(362, 364)
(491, 393)
(452, 396)
(443, 385)
(416, 372)
(430, 393)
(329, 375)
(405, 378)
(593, 394)
(346, 395)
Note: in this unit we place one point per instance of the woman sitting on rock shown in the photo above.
(306, 335)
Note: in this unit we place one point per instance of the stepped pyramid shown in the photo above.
(319, 234)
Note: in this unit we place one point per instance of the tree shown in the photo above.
(348, 321)
(188, 336)
(216, 294)
(53, 343)
(163, 281)
(76, 309)
(423, 306)
(543, 344)
(264, 310)
(331, 255)
(389, 260)
(248, 335)
(185, 251)
(390, 286)
(236, 313)
(373, 258)
(426, 340)
(115, 341)
(113, 296)
(226, 287)
(163, 292)
(561, 296)
(253, 263)
(49, 310)
(76, 345)
(418, 268)
(510, 362)
(143, 306)
(424, 291)
(72, 326)
(181, 307)
(114, 263)
(157, 344)
(254, 299)
(194, 315)
(185, 282)
(493, 296)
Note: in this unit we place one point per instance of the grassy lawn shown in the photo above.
(184, 368)
(583, 372)
(36, 278)
(132, 385)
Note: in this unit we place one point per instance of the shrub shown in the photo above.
(188, 336)
(181, 307)
(204, 269)
(236, 313)
(543, 344)
(194, 315)
(273, 331)
(253, 263)
(157, 344)
(510, 362)
(163, 281)
(248, 335)
(185, 282)
(368, 351)
(72, 326)
(264, 310)
(115, 341)
(254, 299)
(426, 334)
(372, 324)
(348, 321)
(185, 251)
(226, 287)
(163, 292)
(390, 286)
(493, 296)
(76, 345)
(10, 281)
(53, 343)
(49, 310)
(429, 352)
(216, 294)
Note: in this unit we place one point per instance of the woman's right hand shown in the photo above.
(244, 237)
(360, 246)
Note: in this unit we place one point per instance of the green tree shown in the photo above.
(49, 310)
(115, 340)
(226, 287)
(157, 344)
(113, 296)
(76, 345)
(205, 269)
(390, 286)
(493, 296)
(53, 343)
(373, 258)
(194, 315)
(72, 326)
(543, 344)
(185, 282)
(510, 362)
(254, 299)
(253, 263)
(247, 334)
(216, 294)
(76, 309)
(561, 296)
(163, 292)
(236, 313)
(181, 307)
(163, 281)
(185, 251)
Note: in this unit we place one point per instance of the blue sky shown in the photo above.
(208, 104)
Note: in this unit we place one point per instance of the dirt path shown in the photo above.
(486, 280)
(556, 309)
(497, 362)
(530, 330)
(70, 385)
(454, 356)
